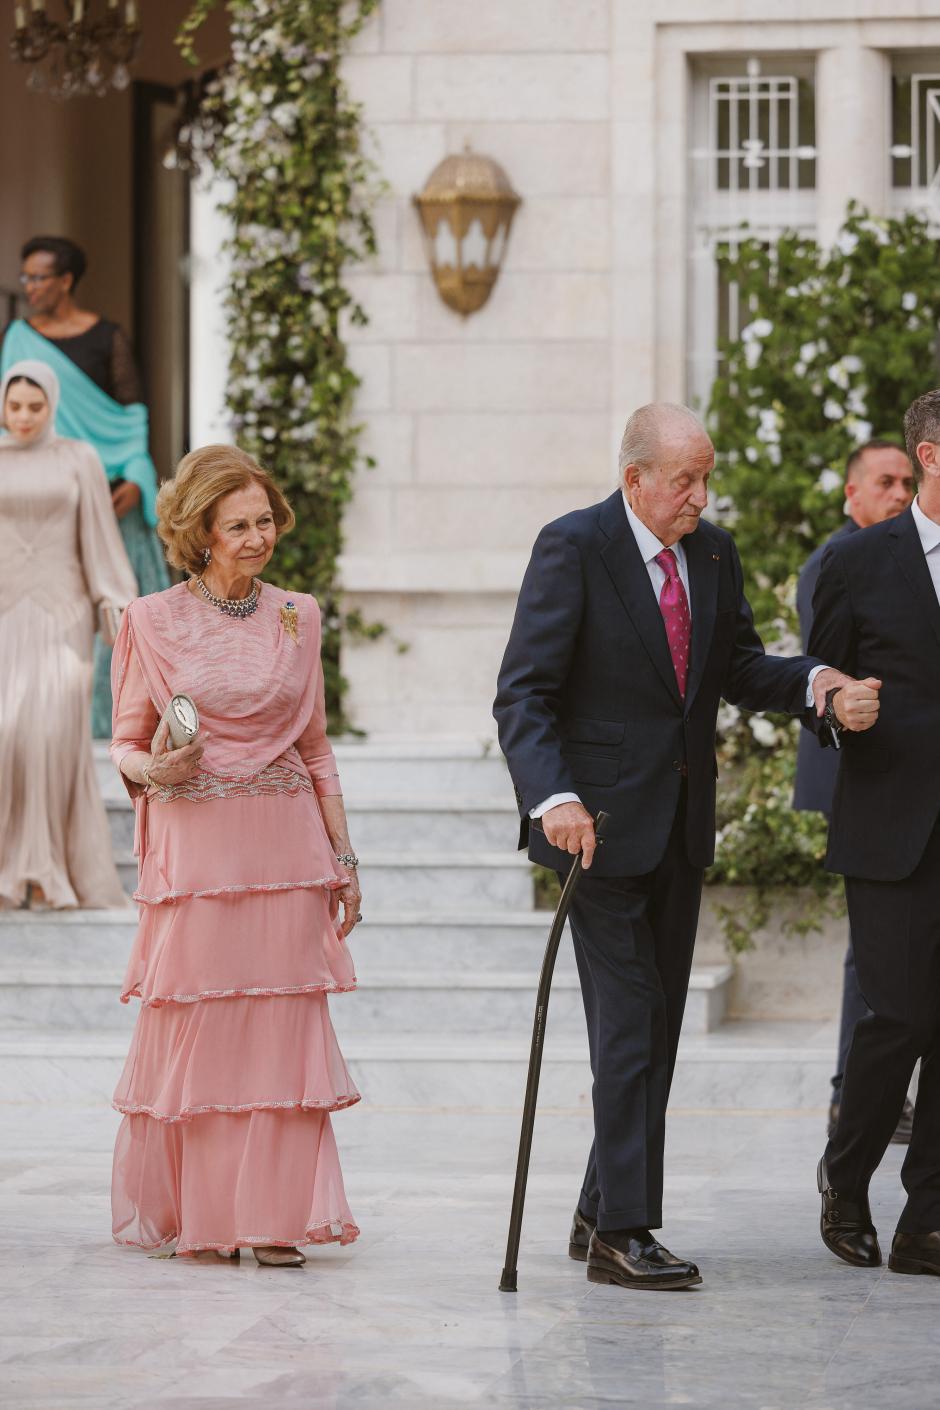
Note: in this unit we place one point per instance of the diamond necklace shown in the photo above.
(231, 606)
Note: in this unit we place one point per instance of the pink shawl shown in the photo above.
(255, 686)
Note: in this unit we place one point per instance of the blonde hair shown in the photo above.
(186, 504)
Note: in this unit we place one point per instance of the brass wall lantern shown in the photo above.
(466, 211)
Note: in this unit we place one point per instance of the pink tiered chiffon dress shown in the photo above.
(234, 1066)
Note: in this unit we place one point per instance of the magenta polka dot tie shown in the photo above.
(674, 605)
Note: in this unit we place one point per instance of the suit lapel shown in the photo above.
(909, 555)
(631, 579)
(703, 565)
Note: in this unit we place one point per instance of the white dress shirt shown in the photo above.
(649, 546)
(929, 532)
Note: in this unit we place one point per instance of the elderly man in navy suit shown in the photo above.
(631, 626)
(879, 484)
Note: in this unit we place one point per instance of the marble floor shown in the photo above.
(411, 1316)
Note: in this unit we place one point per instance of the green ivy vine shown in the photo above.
(284, 133)
(838, 343)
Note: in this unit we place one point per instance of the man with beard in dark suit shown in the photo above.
(879, 484)
(631, 626)
(877, 612)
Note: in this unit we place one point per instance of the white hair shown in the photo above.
(645, 428)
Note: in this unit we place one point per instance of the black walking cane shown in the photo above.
(507, 1282)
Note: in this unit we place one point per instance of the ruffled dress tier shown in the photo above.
(234, 1066)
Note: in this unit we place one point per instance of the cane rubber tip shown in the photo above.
(507, 1282)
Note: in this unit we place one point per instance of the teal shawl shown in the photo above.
(118, 433)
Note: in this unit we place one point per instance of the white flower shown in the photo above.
(837, 373)
(774, 454)
(800, 369)
(763, 731)
(752, 352)
(908, 302)
(855, 401)
(832, 410)
(859, 430)
(829, 481)
(847, 242)
(876, 228)
(851, 363)
(808, 351)
(728, 716)
(750, 455)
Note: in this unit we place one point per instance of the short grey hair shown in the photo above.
(644, 430)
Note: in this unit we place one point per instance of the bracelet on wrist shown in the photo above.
(348, 859)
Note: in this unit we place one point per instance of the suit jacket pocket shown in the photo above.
(584, 731)
(866, 759)
(593, 769)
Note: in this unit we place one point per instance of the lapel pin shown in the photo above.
(715, 558)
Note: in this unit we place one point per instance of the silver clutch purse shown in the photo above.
(182, 719)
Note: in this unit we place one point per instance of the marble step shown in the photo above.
(403, 824)
(371, 768)
(471, 881)
(400, 1003)
(431, 939)
(744, 1066)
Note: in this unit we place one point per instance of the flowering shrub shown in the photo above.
(282, 131)
(838, 344)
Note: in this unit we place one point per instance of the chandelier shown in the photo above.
(79, 54)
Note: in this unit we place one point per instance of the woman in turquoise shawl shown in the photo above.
(91, 410)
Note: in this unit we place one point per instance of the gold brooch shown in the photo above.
(289, 619)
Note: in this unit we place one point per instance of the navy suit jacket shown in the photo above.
(816, 768)
(875, 613)
(587, 700)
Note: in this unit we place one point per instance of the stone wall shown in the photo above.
(485, 429)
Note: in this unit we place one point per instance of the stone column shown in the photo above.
(853, 115)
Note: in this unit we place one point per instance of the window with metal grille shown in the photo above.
(915, 132)
(753, 172)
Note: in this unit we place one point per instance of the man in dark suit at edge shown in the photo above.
(877, 611)
(879, 484)
(631, 625)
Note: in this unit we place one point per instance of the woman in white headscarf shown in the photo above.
(63, 571)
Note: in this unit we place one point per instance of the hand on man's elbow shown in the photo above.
(857, 704)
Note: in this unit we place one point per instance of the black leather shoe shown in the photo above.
(581, 1230)
(641, 1263)
(845, 1225)
(905, 1126)
(915, 1253)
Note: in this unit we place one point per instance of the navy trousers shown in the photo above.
(854, 1008)
(633, 942)
(896, 937)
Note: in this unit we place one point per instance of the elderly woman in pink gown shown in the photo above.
(62, 570)
(245, 861)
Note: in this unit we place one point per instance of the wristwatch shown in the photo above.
(832, 720)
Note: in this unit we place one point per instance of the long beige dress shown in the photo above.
(61, 560)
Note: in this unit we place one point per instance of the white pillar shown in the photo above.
(208, 342)
(853, 117)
